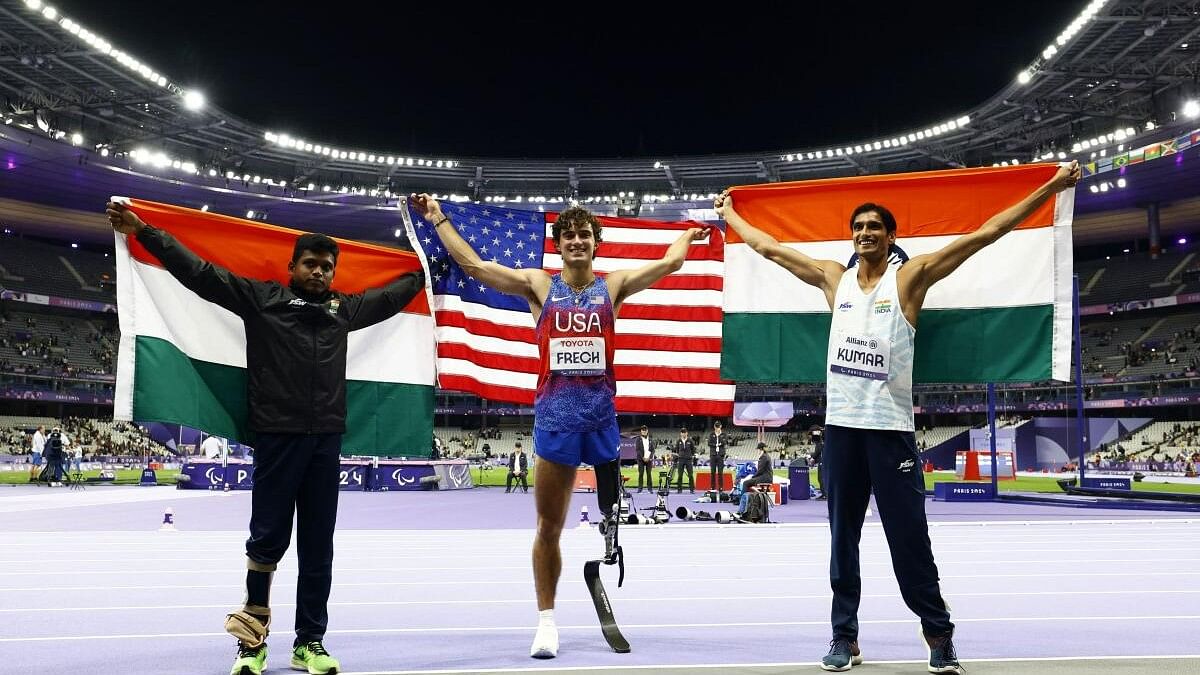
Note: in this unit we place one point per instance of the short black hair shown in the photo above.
(315, 242)
(683, 430)
(645, 428)
(889, 221)
(762, 446)
(517, 444)
(718, 423)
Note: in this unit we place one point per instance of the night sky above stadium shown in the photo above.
(613, 81)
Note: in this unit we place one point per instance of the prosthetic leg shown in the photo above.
(609, 493)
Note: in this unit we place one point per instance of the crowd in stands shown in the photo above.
(64, 347)
(99, 438)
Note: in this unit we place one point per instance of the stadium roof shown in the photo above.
(1116, 72)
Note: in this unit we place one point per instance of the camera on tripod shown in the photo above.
(664, 484)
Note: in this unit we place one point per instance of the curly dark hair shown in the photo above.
(573, 218)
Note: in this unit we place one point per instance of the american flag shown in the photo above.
(668, 337)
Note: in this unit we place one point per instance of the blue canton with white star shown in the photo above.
(510, 237)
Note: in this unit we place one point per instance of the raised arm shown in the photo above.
(824, 274)
(925, 270)
(624, 283)
(211, 282)
(379, 304)
(529, 284)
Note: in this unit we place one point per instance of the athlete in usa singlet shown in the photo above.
(576, 382)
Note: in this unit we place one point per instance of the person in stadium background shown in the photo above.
(869, 429)
(213, 447)
(645, 458)
(716, 458)
(296, 356)
(37, 447)
(574, 410)
(763, 473)
(518, 469)
(683, 458)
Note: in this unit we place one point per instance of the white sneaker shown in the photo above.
(545, 643)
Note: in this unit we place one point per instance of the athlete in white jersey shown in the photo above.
(869, 440)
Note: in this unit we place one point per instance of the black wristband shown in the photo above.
(443, 220)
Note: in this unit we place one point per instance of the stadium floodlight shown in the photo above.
(76, 138)
(1024, 77)
(49, 12)
(1191, 108)
(193, 100)
(35, 5)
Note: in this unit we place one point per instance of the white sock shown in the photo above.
(545, 642)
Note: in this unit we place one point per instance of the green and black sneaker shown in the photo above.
(312, 657)
(250, 660)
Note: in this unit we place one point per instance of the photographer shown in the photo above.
(56, 445)
(764, 474)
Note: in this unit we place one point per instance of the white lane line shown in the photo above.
(675, 551)
(458, 534)
(283, 583)
(743, 666)
(530, 600)
(592, 627)
(749, 564)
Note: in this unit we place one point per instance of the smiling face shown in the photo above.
(576, 234)
(577, 244)
(870, 236)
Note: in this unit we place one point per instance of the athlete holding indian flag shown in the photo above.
(296, 346)
(869, 435)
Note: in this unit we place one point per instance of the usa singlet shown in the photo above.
(576, 381)
(870, 357)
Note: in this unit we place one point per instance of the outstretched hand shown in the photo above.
(723, 203)
(427, 206)
(122, 219)
(1067, 176)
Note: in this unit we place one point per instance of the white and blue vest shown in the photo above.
(870, 357)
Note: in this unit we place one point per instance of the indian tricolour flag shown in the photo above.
(1003, 316)
(183, 360)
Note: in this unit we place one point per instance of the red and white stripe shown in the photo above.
(668, 351)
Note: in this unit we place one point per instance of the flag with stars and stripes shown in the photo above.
(668, 337)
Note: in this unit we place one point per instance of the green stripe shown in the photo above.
(382, 418)
(1008, 344)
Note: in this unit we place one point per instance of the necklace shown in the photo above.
(579, 289)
